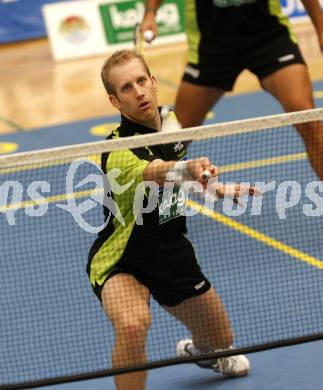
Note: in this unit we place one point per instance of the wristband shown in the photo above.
(181, 173)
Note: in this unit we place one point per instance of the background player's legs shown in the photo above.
(125, 301)
(206, 318)
(193, 102)
(291, 86)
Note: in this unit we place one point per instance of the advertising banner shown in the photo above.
(84, 28)
(295, 10)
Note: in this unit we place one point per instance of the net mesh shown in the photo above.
(264, 257)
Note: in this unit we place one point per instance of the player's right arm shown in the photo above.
(193, 170)
(149, 20)
(158, 170)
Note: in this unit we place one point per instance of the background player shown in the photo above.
(228, 36)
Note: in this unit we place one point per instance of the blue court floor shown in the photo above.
(291, 368)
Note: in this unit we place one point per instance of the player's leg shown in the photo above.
(291, 86)
(193, 102)
(125, 301)
(203, 84)
(206, 318)
(182, 289)
(208, 322)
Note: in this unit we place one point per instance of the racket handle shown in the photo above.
(137, 39)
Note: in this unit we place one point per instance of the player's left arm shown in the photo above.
(315, 13)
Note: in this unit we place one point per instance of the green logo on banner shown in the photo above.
(119, 19)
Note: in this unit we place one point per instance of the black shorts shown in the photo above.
(220, 64)
(169, 270)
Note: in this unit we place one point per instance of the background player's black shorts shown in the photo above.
(220, 63)
(169, 269)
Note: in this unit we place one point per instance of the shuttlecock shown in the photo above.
(148, 36)
(169, 120)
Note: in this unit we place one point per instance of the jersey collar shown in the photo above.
(129, 127)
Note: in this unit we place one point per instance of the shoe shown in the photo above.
(233, 366)
(183, 349)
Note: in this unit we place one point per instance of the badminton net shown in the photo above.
(263, 256)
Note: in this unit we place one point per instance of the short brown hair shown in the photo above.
(118, 58)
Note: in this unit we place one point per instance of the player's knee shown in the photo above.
(300, 103)
(134, 328)
(188, 120)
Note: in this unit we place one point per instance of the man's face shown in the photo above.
(135, 92)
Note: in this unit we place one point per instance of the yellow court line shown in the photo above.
(50, 199)
(94, 158)
(264, 162)
(299, 255)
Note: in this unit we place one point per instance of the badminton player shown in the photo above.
(130, 263)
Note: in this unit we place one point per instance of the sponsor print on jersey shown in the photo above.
(171, 204)
(178, 146)
(180, 150)
(231, 3)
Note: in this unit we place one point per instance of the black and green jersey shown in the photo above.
(126, 237)
(232, 24)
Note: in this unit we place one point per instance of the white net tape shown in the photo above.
(69, 153)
